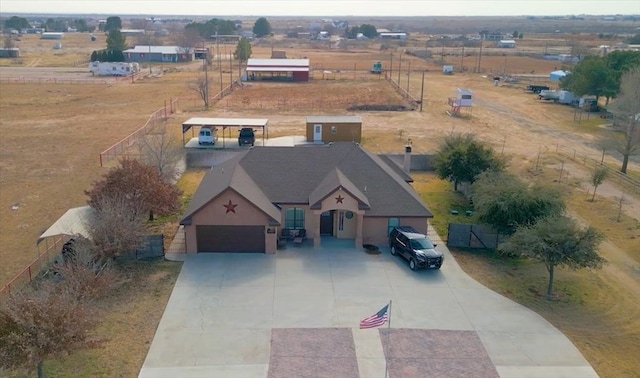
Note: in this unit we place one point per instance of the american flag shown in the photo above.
(377, 319)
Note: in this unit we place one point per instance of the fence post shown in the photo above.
(30, 279)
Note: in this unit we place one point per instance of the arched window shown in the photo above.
(294, 218)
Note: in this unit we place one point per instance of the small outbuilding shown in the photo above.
(557, 75)
(506, 43)
(51, 35)
(325, 129)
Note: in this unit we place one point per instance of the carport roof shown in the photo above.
(222, 122)
(73, 222)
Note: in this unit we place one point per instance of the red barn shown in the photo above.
(278, 69)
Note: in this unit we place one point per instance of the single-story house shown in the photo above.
(325, 129)
(132, 32)
(491, 35)
(167, 54)
(278, 69)
(9, 52)
(506, 43)
(557, 75)
(336, 190)
(52, 35)
(393, 35)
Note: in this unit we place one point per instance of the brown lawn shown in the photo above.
(51, 136)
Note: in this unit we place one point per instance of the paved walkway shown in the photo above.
(236, 315)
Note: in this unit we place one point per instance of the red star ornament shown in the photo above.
(231, 207)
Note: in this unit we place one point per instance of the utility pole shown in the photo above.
(408, 76)
(422, 92)
(462, 60)
(399, 68)
(206, 78)
(219, 59)
(479, 57)
(391, 67)
(230, 70)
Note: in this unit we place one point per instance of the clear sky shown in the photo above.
(324, 8)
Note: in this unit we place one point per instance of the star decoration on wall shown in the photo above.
(231, 207)
(339, 198)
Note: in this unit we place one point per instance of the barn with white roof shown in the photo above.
(278, 69)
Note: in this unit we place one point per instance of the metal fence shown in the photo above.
(471, 236)
(626, 182)
(152, 246)
(51, 248)
(119, 149)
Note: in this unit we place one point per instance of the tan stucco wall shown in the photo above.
(345, 132)
(214, 213)
(348, 204)
(375, 228)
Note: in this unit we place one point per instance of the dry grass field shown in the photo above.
(51, 135)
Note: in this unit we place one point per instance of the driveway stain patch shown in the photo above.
(312, 352)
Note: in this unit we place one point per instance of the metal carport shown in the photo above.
(225, 123)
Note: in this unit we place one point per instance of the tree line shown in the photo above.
(533, 216)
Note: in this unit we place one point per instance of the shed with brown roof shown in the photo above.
(325, 129)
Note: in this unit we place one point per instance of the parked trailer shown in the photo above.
(113, 68)
(536, 88)
(562, 97)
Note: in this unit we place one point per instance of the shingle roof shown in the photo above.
(230, 175)
(294, 175)
(333, 181)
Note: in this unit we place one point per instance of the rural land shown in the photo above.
(57, 119)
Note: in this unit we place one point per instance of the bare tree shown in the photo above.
(627, 110)
(160, 149)
(187, 40)
(85, 275)
(118, 226)
(36, 324)
(201, 85)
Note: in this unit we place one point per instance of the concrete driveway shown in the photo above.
(296, 314)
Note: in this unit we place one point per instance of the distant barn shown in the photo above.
(278, 69)
(51, 35)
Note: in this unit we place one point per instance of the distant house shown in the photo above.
(393, 35)
(52, 35)
(168, 54)
(506, 43)
(132, 32)
(325, 129)
(491, 35)
(9, 52)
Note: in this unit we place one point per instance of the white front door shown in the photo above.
(317, 133)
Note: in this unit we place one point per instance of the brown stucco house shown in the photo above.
(336, 190)
(325, 129)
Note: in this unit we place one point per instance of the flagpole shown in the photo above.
(386, 368)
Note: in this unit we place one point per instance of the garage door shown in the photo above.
(230, 238)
